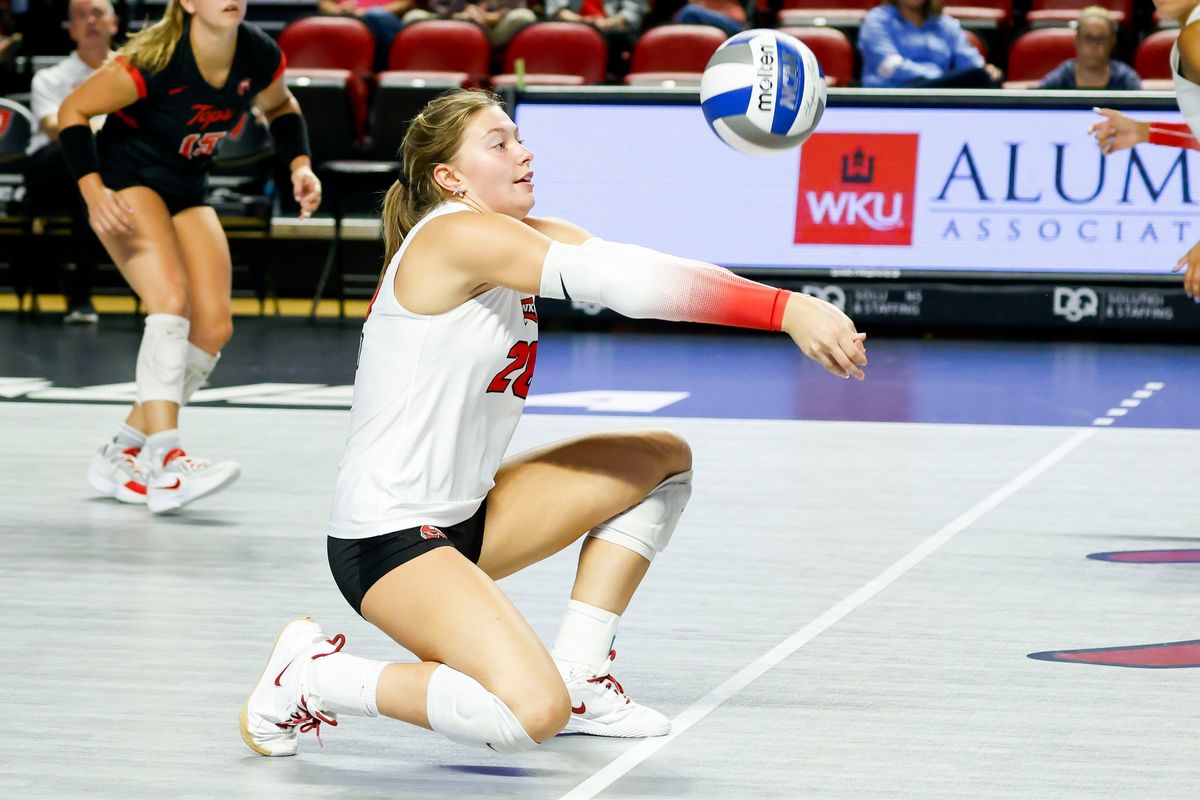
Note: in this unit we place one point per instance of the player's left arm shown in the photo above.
(290, 133)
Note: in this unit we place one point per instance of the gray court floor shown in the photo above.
(845, 612)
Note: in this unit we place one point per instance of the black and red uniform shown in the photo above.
(165, 140)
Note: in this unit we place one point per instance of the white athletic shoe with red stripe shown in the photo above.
(277, 711)
(600, 707)
(181, 478)
(115, 472)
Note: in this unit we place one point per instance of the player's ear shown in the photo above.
(445, 177)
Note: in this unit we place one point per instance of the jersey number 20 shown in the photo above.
(524, 356)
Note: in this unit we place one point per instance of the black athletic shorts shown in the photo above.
(357, 564)
(180, 196)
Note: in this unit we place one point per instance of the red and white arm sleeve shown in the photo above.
(1173, 134)
(638, 282)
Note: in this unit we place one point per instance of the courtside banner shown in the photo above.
(876, 189)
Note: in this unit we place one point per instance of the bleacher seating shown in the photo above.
(1035, 54)
(675, 54)
(556, 53)
(1153, 59)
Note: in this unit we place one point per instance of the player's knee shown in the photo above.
(543, 711)
(167, 299)
(673, 453)
(211, 332)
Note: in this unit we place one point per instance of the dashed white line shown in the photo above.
(1134, 400)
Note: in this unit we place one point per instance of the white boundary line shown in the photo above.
(635, 755)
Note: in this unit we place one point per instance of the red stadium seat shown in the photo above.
(981, 14)
(833, 51)
(839, 13)
(676, 53)
(334, 43)
(556, 53)
(1062, 12)
(1035, 54)
(440, 46)
(1153, 58)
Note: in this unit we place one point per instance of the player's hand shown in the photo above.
(1191, 279)
(306, 188)
(108, 213)
(826, 335)
(1117, 132)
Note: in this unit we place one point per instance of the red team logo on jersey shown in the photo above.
(529, 309)
(5, 120)
(208, 115)
(857, 189)
(430, 532)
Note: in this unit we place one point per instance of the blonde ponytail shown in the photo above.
(151, 48)
(433, 137)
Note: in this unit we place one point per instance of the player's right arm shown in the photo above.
(642, 283)
(110, 89)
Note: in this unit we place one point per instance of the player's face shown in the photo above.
(217, 13)
(495, 166)
(1093, 43)
(91, 21)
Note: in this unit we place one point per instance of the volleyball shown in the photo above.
(763, 92)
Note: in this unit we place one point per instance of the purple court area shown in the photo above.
(765, 377)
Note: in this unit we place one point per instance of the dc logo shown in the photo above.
(834, 295)
(1075, 304)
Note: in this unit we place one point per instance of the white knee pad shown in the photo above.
(647, 527)
(161, 358)
(463, 711)
(198, 366)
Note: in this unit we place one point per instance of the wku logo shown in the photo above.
(857, 189)
(430, 532)
(5, 120)
(207, 115)
(529, 309)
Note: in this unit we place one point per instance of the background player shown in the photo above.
(174, 91)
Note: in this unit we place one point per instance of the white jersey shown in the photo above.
(436, 400)
(50, 87)
(1187, 94)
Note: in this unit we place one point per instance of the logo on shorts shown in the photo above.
(529, 309)
(857, 189)
(430, 532)
(5, 120)
(243, 86)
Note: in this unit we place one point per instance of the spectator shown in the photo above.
(500, 18)
(912, 44)
(619, 20)
(91, 24)
(728, 15)
(1093, 66)
(383, 17)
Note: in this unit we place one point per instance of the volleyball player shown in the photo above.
(173, 92)
(427, 514)
(1119, 132)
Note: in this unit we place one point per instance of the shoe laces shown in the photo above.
(304, 719)
(608, 681)
(184, 462)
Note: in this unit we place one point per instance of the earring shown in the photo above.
(458, 192)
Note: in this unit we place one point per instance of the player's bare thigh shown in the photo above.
(547, 497)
